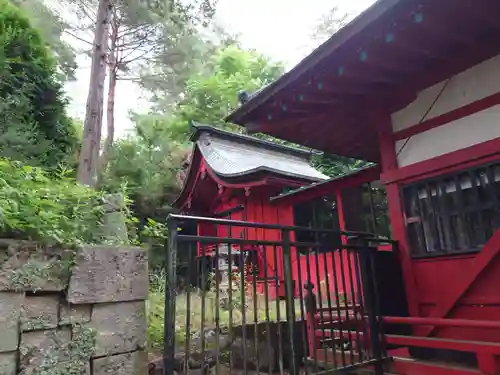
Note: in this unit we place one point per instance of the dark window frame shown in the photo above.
(319, 213)
(452, 214)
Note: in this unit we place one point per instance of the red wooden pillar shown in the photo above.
(488, 363)
(396, 209)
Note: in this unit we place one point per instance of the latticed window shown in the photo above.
(454, 213)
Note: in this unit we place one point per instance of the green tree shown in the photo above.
(34, 126)
(209, 96)
(151, 160)
(52, 29)
(147, 163)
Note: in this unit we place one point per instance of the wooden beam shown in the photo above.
(485, 14)
(439, 71)
(408, 41)
(323, 87)
(330, 186)
(323, 136)
(359, 73)
(438, 28)
(462, 285)
(386, 59)
(438, 343)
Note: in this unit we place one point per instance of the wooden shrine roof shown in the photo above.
(231, 155)
(335, 97)
(240, 161)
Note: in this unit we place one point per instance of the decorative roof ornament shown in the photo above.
(243, 97)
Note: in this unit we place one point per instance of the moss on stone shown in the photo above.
(72, 359)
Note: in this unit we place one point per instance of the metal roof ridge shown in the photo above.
(200, 128)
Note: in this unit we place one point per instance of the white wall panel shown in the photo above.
(468, 131)
(478, 82)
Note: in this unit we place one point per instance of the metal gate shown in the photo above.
(262, 302)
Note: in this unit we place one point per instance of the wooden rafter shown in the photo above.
(437, 28)
(358, 74)
(387, 60)
(481, 15)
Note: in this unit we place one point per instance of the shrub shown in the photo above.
(34, 127)
(37, 206)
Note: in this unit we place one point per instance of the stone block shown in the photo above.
(114, 227)
(109, 274)
(10, 312)
(120, 327)
(27, 266)
(74, 314)
(43, 350)
(135, 363)
(8, 363)
(39, 312)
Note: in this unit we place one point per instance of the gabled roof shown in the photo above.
(236, 160)
(336, 97)
(231, 155)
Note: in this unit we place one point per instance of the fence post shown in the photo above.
(289, 297)
(370, 296)
(170, 284)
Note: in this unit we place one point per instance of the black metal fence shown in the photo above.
(264, 302)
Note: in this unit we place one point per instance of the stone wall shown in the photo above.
(72, 311)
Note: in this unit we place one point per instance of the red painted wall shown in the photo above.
(457, 286)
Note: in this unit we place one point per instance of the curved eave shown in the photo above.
(251, 178)
(190, 181)
(277, 174)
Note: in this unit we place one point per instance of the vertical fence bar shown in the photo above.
(243, 306)
(230, 291)
(169, 318)
(203, 306)
(356, 311)
(373, 214)
(187, 345)
(217, 308)
(278, 310)
(301, 301)
(289, 298)
(369, 294)
(266, 306)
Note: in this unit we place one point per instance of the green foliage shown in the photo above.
(155, 306)
(255, 305)
(210, 97)
(334, 165)
(52, 28)
(147, 164)
(33, 123)
(37, 206)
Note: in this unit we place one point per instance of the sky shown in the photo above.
(280, 29)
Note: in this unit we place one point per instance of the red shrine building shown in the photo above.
(239, 177)
(234, 176)
(414, 87)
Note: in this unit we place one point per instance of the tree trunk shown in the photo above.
(89, 154)
(110, 111)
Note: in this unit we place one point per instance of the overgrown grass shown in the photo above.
(255, 311)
